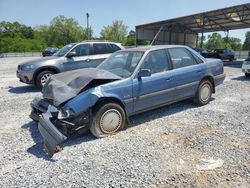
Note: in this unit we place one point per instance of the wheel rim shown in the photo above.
(110, 121)
(205, 92)
(45, 78)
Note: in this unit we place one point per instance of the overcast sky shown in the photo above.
(131, 12)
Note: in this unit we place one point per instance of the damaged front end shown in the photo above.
(61, 111)
(55, 126)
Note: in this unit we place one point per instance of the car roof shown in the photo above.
(149, 48)
(96, 41)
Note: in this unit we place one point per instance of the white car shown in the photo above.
(246, 67)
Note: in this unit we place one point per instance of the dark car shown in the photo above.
(205, 52)
(224, 54)
(72, 56)
(49, 51)
(129, 82)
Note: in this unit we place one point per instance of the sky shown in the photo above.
(104, 12)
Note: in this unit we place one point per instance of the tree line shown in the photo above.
(17, 37)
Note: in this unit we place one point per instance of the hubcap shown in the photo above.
(205, 92)
(110, 121)
(45, 78)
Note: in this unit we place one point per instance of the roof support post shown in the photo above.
(136, 37)
(202, 31)
(227, 34)
(184, 38)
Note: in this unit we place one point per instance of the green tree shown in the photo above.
(130, 41)
(63, 31)
(198, 45)
(215, 41)
(246, 45)
(233, 43)
(116, 32)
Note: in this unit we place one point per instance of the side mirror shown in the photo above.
(71, 54)
(144, 73)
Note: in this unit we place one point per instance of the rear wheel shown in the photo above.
(107, 120)
(42, 78)
(204, 93)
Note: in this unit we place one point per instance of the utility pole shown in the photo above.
(87, 14)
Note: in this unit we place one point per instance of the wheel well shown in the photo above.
(44, 69)
(210, 78)
(105, 100)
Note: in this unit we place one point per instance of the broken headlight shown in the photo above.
(64, 114)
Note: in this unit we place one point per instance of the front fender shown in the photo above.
(85, 100)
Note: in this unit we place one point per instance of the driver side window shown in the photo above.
(156, 61)
(82, 50)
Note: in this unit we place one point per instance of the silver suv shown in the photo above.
(70, 57)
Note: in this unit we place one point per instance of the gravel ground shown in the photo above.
(160, 148)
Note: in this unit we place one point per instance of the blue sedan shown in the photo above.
(129, 82)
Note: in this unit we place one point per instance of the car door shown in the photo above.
(156, 89)
(82, 58)
(187, 72)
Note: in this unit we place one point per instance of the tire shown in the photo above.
(247, 75)
(204, 93)
(41, 78)
(111, 112)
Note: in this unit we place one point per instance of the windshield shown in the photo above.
(122, 63)
(64, 50)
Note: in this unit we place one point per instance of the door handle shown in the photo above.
(167, 79)
(88, 60)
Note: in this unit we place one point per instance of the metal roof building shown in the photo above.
(184, 30)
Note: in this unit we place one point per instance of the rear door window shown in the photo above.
(100, 48)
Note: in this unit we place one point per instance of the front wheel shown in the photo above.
(204, 93)
(107, 120)
(42, 78)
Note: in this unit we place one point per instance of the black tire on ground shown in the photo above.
(204, 93)
(247, 74)
(38, 80)
(108, 119)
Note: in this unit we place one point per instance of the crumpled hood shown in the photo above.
(64, 86)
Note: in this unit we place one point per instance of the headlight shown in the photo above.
(28, 67)
(64, 114)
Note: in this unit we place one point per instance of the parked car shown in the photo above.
(223, 54)
(49, 51)
(204, 52)
(246, 67)
(70, 57)
(129, 82)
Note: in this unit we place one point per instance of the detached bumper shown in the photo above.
(51, 135)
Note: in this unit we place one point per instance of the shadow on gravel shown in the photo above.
(37, 149)
(23, 89)
(241, 78)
